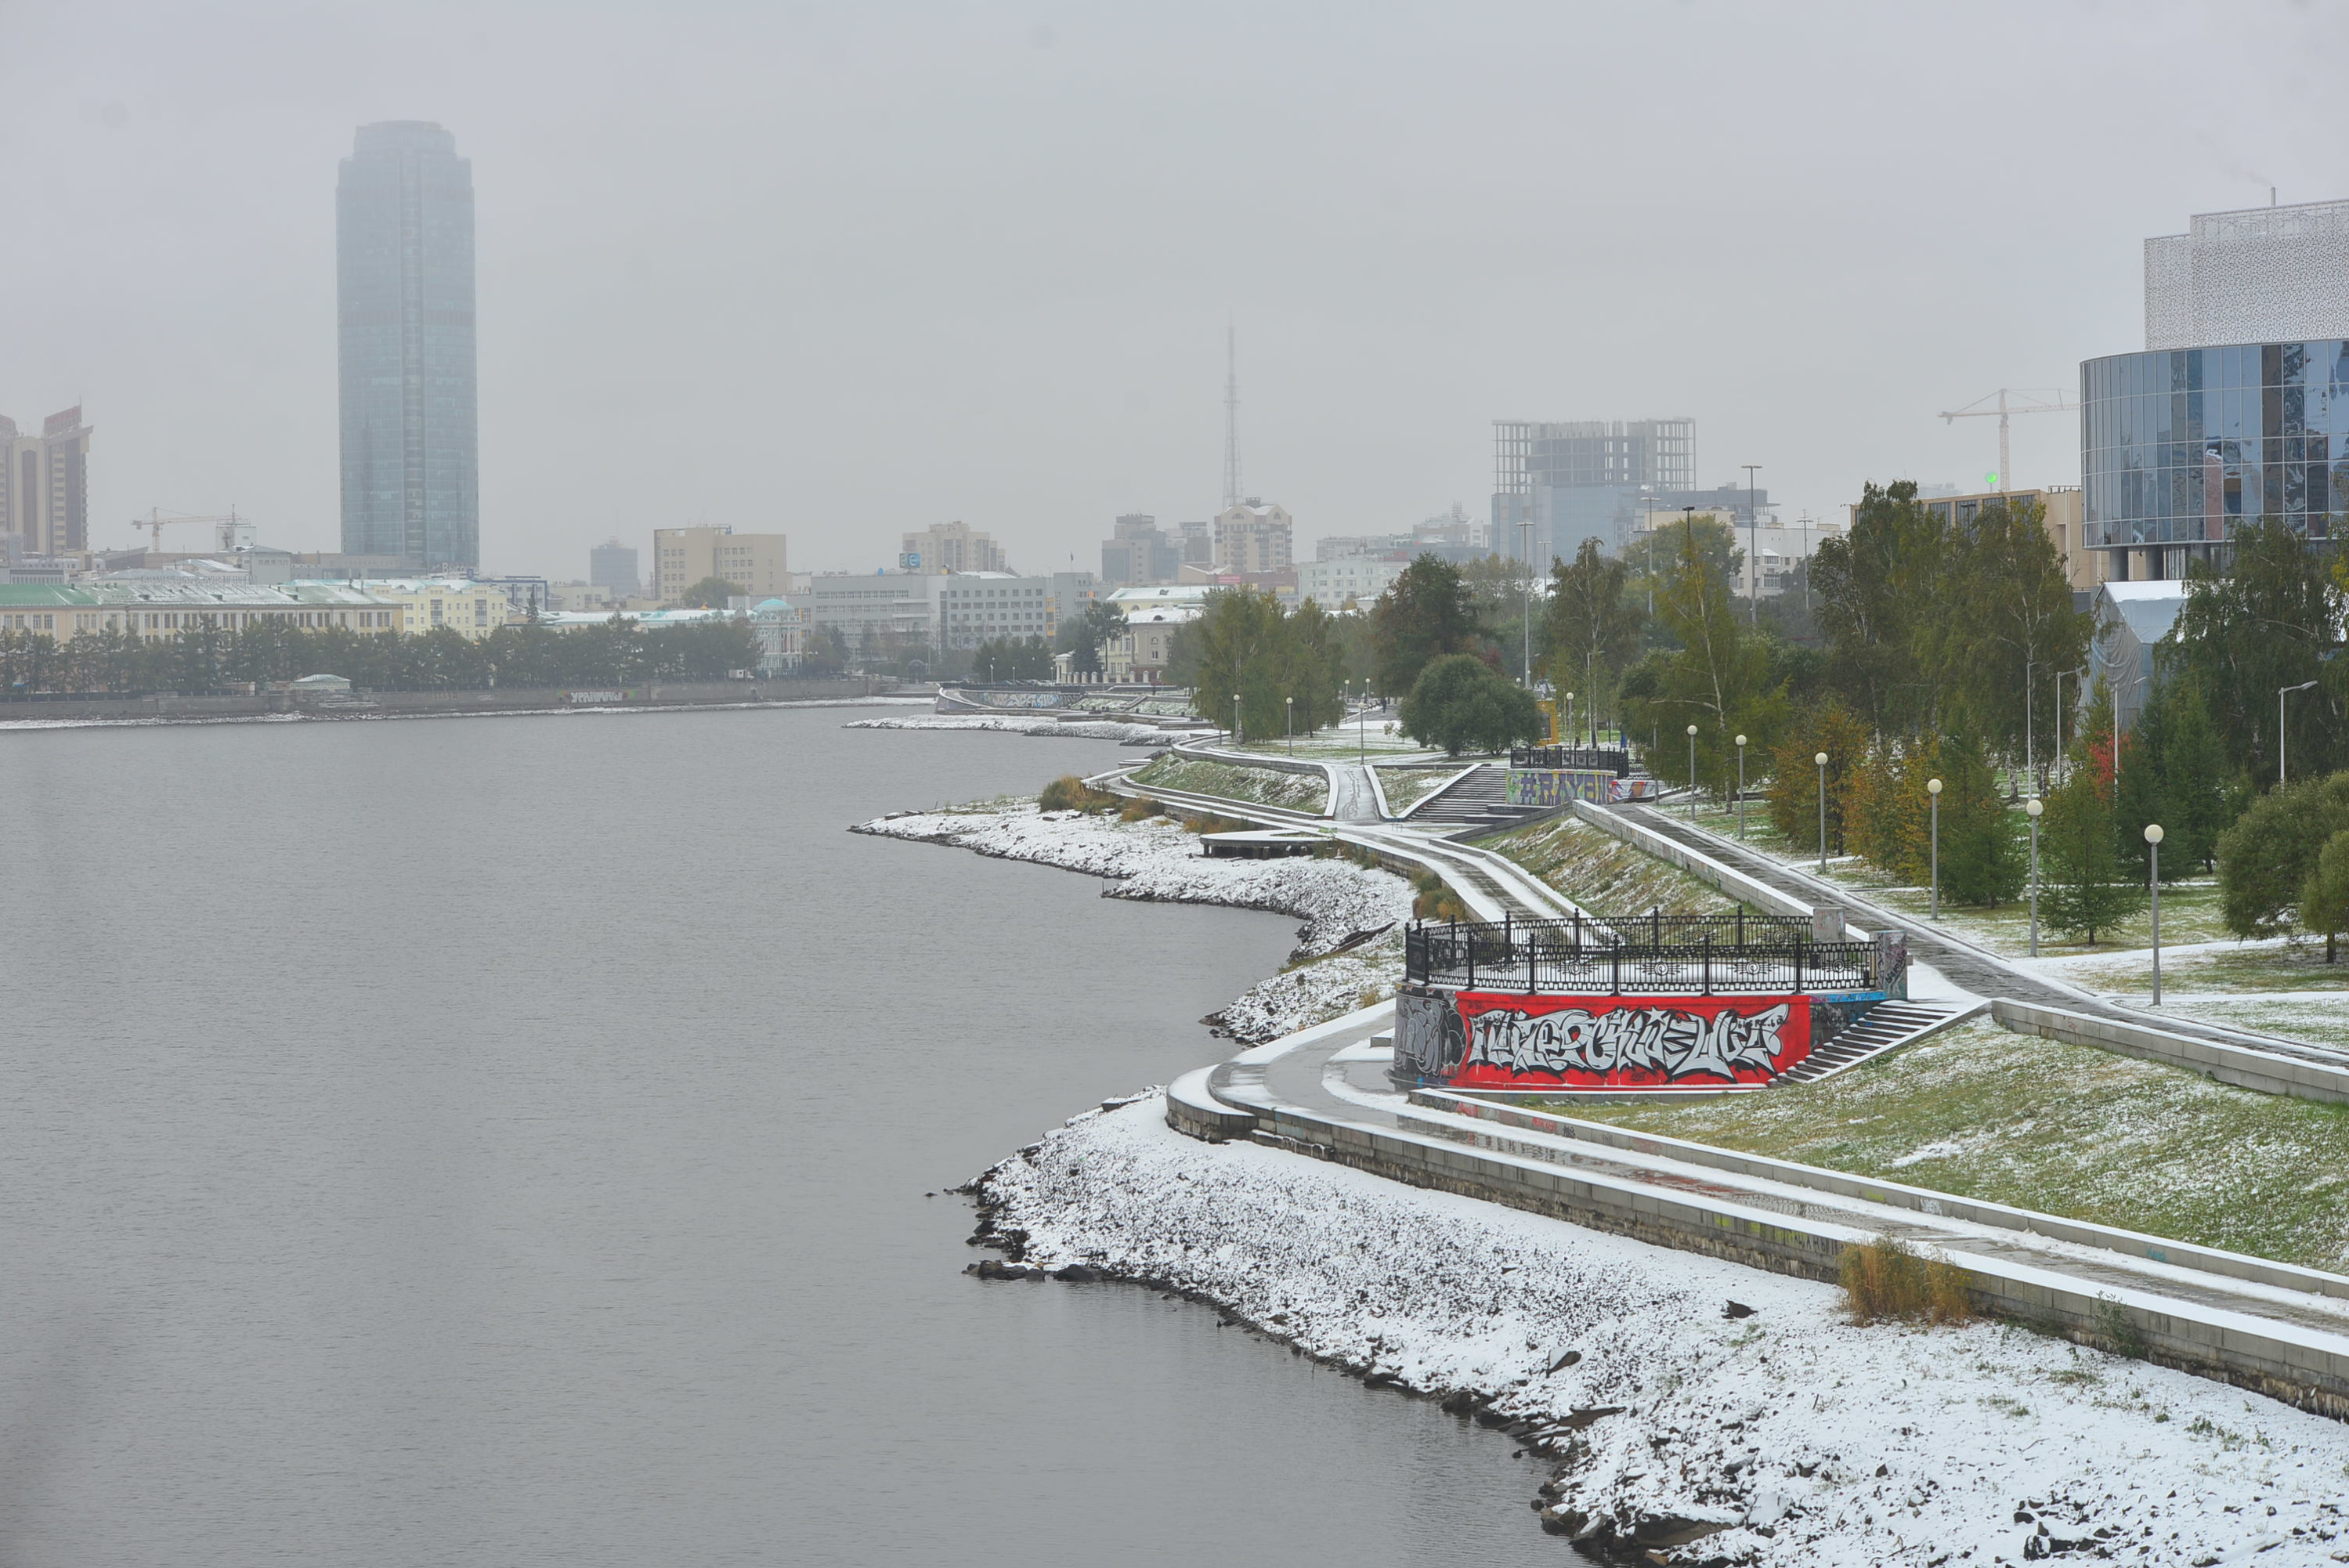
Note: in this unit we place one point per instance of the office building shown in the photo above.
(2061, 507)
(755, 563)
(1555, 485)
(1138, 551)
(977, 606)
(45, 500)
(472, 610)
(1355, 580)
(1196, 540)
(612, 566)
(158, 607)
(1253, 538)
(950, 547)
(863, 608)
(404, 297)
(2238, 408)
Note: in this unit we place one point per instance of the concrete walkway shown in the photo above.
(2271, 1327)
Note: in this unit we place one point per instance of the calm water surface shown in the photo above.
(505, 1141)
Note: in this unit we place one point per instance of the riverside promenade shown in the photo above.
(2279, 1329)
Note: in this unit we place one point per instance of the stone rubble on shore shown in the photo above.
(1688, 1429)
(1122, 730)
(1350, 941)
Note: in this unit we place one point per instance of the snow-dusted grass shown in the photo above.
(1405, 787)
(2189, 907)
(2065, 1129)
(1341, 743)
(1807, 1440)
(1350, 941)
(1235, 781)
(1600, 871)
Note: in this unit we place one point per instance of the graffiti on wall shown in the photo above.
(1488, 1041)
(1556, 785)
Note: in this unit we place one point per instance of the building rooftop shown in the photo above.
(189, 594)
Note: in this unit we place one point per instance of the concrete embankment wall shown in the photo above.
(2231, 1348)
(2227, 1064)
(657, 694)
(1705, 867)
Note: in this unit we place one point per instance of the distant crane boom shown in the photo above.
(155, 522)
(2035, 404)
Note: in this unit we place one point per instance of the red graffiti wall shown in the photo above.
(1505, 1041)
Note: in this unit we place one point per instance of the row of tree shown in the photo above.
(210, 658)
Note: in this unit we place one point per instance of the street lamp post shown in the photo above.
(1691, 734)
(2281, 692)
(1592, 681)
(1822, 760)
(1741, 787)
(1236, 720)
(1289, 723)
(2031, 809)
(1568, 731)
(2153, 851)
(1933, 787)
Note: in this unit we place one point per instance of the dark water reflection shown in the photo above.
(498, 1141)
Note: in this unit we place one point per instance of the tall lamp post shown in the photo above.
(1567, 733)
(2281, 692)
(1236, 720)
(1591, 681)
(2153, 851)
(2031, 809)
(1691, 734)
(1289, 723)
(1822, 760)
(1741, 787)
(1933, 789)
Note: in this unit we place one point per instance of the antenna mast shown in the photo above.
(1231, 417)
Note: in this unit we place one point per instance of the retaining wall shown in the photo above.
(504, 699)
(2228, 1064)
(1705, 867)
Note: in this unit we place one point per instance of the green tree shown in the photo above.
(1085, 634)
(1793, 791)
(709, 594)
(1593, 627)
(2263, 624)
(1424, 614)
(1013, 659)
(2324, 899)
(2005, 613)
(1875, 591)
(1980, 864)
(2084, 888)
(1719, 679)
(2267, 856)
(1460, 704)
(1280, 665)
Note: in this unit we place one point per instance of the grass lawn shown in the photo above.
(1601, 872)
(1344, 742)
(2065, 1129)
(1233, 781)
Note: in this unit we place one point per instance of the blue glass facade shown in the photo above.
(404, 275)
(2179, 446)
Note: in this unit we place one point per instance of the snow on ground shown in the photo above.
(1081, 728)
(1154, 859)
(1805, 1439)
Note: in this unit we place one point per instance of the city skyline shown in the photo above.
(771, 301)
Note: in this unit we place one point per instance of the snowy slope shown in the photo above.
(1803, 1439)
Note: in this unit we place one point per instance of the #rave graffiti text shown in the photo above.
(1666, 1041)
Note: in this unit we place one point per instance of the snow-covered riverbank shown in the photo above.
(1118, 730)
(1785, 1435)
(1349, 943)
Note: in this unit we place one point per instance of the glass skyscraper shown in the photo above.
(404, 287)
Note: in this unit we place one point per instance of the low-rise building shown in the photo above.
(457, 605)
(860, 608)
(976, 606)
(1146, 646)
(781, 627)
(161, 608)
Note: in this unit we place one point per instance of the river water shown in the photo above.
(506, 1141)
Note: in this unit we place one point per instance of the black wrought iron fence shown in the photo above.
(1780, 956)
(1595, 758)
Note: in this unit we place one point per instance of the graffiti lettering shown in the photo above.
(1664, 1041)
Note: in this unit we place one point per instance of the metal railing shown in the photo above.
(1642, 955)
(1611, 759)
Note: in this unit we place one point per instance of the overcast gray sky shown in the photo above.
(844, 270)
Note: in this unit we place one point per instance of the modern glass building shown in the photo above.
(404, 270)
(2179, 446)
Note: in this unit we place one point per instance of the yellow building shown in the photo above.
(430, 604)
(755, 563)
(161, 608)
(2082, 567)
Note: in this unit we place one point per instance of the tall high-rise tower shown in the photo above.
(45, 484)
(404, 289)
(1231, 418)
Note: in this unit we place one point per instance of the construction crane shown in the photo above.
(2036, 404)
(156, 523)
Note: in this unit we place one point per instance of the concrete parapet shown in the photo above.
(2242, 1066)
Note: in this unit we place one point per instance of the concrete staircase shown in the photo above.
(1476, 803)
(1887, 1026)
